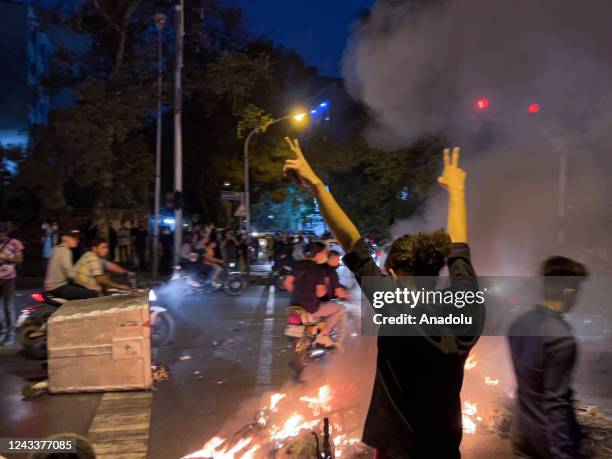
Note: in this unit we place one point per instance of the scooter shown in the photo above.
(302, 330)
(32, 324)
(231, 280)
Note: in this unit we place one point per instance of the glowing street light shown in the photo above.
(298, 117)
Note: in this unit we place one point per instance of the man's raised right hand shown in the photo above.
(299, 166)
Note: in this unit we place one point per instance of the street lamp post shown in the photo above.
(178, 136)
(160, 21)
(322, 108)
(247, 188)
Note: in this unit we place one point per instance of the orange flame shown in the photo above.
(469, 410)
(470, 362)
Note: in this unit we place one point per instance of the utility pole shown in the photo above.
(160, 21)
(178, 137)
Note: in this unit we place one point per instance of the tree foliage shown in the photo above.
(98, 150)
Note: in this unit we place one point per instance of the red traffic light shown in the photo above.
(482, 104)
(533, 108)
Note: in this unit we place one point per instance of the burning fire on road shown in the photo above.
(297, 434)
(290, 424)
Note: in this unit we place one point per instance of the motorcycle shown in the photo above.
(302, 330)
(32, 322)
(230, 280)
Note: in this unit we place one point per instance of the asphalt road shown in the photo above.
(228, 356)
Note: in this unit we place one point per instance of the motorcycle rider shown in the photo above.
(230, 247)
(91, 267)
(307, 284)
(59, 279)
(335, 290)
(212, 261)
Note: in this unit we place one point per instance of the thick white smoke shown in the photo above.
(419, 67)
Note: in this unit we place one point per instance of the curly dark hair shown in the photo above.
(421, 254)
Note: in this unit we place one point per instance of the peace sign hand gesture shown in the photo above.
(453, 177)
(299, 166)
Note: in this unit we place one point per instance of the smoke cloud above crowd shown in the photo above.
(419, 67)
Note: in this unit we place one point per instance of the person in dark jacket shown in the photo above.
(543, 352)
(415, 408)
(112, 242)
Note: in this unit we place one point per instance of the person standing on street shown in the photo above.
(112, 242)
(544, 351)
(166, 242)
(49, 240)
(11, 253)
(139, 242)
(415, 407)
(123, 241)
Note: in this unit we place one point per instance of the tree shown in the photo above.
(290, 212)
(93, 152)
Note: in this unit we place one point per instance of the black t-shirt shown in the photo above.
(331, 280)
(166, 240)
(231, 250)
(415, 409)
(308, 275)
(140, 236)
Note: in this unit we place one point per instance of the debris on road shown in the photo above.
(160, 372)
(184, 357)
(35, 389)
(595, 424)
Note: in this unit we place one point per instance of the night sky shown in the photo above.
(316, 29)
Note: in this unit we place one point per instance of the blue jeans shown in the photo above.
(8, 316)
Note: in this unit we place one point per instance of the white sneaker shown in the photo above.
(324, 340)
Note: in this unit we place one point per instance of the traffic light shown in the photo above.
(481, 104)
(533, 108)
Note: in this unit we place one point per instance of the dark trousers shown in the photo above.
(74, 292)
(8, 316)
(164, 264)
(140, 253)
(124, 253)
(528, 446)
